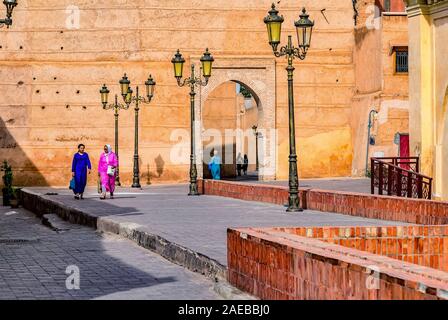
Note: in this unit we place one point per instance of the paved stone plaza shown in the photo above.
(360, 185)
(198, 223)
(34, 258)
(340, 125)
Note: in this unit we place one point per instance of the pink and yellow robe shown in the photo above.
(107, 181)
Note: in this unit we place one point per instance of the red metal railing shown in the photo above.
(399, 177)
(408, 163)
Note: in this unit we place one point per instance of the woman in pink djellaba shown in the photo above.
(107, 170)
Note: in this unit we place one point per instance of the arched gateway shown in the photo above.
(257, 74)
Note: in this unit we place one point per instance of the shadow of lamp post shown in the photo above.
(116, 107)
(10, 5)
(304, 27)
(128, 98)
(193, 81)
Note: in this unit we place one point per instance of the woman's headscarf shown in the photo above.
(109, 148)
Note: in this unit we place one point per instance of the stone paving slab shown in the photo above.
(198, 223)
(110, 267)
(360, 185)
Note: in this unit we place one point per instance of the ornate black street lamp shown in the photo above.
(257, 134)
(193, 81)
(116, 107)
(128, 98)
(304, 27)
(10, 5)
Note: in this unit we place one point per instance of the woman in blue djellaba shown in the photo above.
(80, 165)
(215, 166)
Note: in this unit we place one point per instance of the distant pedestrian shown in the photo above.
(239, 164)
(80, 164)
(215, 166)
(245, 165)
(107, 171)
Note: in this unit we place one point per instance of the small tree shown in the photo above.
(7, 176)
(245, 92)
(7, 190)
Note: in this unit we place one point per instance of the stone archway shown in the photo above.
(258, 75)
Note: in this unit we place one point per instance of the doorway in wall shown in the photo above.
(403, 145)
(228, 117)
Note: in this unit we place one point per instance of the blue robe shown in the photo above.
(79, 167)
(215, 167)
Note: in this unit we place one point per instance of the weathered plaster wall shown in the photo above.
(51, 74)
(428, 89)
(378, 87)
(393, 114)
(368, 71)
(323, 98)
(441, 104)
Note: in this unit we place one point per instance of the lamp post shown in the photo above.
(116, 107)
(304, 27)
(193, 81)
(128, 98)
(257, 134)
(10, 5)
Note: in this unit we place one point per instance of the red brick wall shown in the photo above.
(243, 191)
(422, 245)
(357, 204)
(379, 207)
(271, 264)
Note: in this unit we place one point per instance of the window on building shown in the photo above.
(401, 60)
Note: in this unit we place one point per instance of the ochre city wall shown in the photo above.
(321, 264)
(51, 73)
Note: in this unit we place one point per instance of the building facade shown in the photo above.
(381, 92)
(428, 29)
(58, 54)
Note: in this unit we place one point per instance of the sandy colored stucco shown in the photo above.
(51, 76)
(378, 87)
(428, 89)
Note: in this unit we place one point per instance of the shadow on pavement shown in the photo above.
(244, 178)
(97, 207)
(42, 268)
